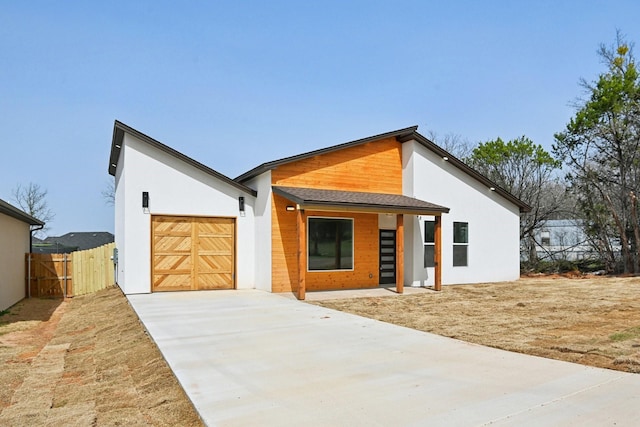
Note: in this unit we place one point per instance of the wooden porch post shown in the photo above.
(302, 253)
(400, 253)
(438, 253)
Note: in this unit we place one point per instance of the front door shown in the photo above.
(387, 257)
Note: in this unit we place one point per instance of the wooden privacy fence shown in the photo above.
(68, 275)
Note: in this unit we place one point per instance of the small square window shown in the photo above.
(460, 256)
(429, 231)
(460, 232)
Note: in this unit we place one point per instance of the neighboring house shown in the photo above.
(563, 239)
(74, 241)
(15, 233)
(388, 210)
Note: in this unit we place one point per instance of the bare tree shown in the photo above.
(109, 193)
(453, 143)
(32, 200)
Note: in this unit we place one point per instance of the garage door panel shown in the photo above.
(215, 281)
(173, 244)
(172, 262)
(193, 253)
(215, 264)
(172, 282)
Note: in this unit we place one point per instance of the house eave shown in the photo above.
(119, 130)
(274, 164)
(454, 161)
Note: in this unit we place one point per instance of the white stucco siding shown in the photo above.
(262, 212)
(493, 248)
(14, 245)
(175, 188)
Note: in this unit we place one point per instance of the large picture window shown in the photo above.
(429, 243)
(330, 244)
(460, 244)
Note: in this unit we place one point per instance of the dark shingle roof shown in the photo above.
(16, 213)
(402, 135)
(310, 198)
(82, 240)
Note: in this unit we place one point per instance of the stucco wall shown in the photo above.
(15, 243)
(262, 212)
(175, 188)
(493, 250)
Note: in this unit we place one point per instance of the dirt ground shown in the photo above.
(589, 320)
(85, 362)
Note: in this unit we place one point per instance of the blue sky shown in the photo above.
(234, 84)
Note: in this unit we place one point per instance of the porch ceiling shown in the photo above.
(334, 200)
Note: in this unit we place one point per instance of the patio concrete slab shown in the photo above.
(255, 358)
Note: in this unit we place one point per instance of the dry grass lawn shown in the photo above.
(84, 362)
(594, 321)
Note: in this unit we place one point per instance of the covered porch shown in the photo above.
(336, 202)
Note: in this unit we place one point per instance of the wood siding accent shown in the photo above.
(192, 253)
(374, 167)
(284, 239)
(437, 231)
(301, 226)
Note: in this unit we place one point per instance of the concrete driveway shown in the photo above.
(249, 358)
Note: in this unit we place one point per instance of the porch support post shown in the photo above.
(400, 253)
(302, 253)
(438, 253)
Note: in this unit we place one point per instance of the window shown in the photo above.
(545, 238)
(429, 243)
(460, 244)
(330, 244)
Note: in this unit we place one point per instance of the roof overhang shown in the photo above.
(454, 161)
(119, 130)
(16, 213)
(352, 201)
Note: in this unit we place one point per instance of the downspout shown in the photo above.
(31, 230)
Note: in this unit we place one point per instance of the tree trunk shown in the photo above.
(636, 230)
(624, 242)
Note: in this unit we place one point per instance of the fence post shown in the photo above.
(64, 274)
(29, 275)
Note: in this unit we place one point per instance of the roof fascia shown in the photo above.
(453, 160)
(273, 164)
(356, 207)
(119, 130)
(16, 213)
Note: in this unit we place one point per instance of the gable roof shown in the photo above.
(313, 198)
(272, 165)
(119, 129)
(16, 213)
(81, 240)
(402, 135)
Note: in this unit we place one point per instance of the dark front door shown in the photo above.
(387, 257)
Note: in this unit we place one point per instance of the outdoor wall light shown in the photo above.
(145, 199)
(241, 205)
(291, 208)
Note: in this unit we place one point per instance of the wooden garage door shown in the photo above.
(192, 253)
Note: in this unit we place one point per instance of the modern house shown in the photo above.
(388, 210)
(15, 230)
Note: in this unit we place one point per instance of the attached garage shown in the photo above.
(192, 253)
